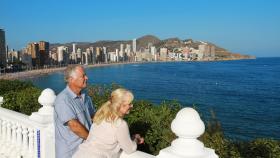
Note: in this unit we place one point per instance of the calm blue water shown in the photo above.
(245, 94)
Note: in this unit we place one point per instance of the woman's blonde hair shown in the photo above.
(110, 110)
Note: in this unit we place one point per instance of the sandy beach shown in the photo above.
(39, 72)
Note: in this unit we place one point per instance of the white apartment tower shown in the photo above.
(134, 45)
(105, 54)
(62, 54)
(121, 50)
(117, 55)
(74, 48)
(153, 50)
(128, 49)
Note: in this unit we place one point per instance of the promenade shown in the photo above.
(38, 72)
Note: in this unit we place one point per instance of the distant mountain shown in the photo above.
(170, 43)
(146, 40)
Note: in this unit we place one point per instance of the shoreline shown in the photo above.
(40, 72)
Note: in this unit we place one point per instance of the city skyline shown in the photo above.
(249, 27)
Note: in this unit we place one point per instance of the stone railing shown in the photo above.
(24, 136)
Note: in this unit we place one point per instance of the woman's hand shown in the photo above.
(138, 139)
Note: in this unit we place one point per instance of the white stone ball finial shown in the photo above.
(47, 97)
(45, 113)
(187, 124)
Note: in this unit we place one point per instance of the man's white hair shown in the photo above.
(70, 71)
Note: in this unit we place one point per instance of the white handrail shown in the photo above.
(28, 136)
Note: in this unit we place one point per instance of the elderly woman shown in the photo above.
(109, 134)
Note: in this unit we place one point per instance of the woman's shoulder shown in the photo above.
(120, 123)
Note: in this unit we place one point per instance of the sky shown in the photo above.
(240, 26)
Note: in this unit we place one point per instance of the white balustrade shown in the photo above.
(20, 134)
(32, 136)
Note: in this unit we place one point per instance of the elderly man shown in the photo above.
(73, 112)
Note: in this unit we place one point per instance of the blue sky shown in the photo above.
(241, 26)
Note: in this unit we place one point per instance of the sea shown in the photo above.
(243, 94)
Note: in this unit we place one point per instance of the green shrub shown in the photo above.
(153, 122)
(260, 148)
(101, 93)
(13, 85)
(214, 138)
(226, 148)
(24, 101)
(222, 146)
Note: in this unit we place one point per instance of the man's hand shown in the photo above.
(138, 139)
(79, 129)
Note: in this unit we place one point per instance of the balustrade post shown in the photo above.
(1, 100)
(0, 130)
(45, 138)
(188, 127)
(31, 143)
(24, 150)
(19, 139)
(14, 134)
(8, 139)
(3, 136)
(13, 146)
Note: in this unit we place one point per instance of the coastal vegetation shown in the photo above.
(150, 120)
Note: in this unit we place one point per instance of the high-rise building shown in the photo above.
(205, 50)
(25, 57)
(121, 50)
(33, 50)
(13, 55)
(62, 54)
(74, 48)
(117, 55)
(93, 56)
(163, 52)
(105, 54)
(150, 44)
(128, 49)
(213, 51)
(134, 46)
(3, 53)
(44, 52)
(98, 51)
(79, 55)
(85, 58)
(89, 53)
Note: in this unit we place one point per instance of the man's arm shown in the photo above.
(79, 129)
